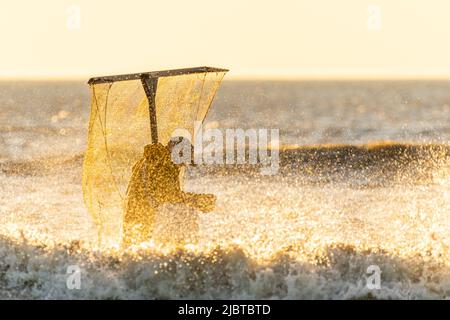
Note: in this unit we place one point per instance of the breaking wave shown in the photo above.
(39, 271)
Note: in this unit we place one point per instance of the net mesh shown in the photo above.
(119, 128)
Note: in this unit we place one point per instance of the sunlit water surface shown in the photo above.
(302, 234)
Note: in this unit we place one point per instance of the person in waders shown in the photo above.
(155, 181)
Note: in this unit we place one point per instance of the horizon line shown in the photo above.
(263, 77)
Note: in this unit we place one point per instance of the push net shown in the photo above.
(129, 112)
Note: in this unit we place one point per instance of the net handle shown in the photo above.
(150, 85)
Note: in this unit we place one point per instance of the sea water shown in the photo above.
(315, 230)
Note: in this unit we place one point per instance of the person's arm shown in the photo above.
(202, 202)
(174, 194)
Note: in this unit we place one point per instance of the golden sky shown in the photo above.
(253, 38)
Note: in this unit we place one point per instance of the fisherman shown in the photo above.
(154, 182)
